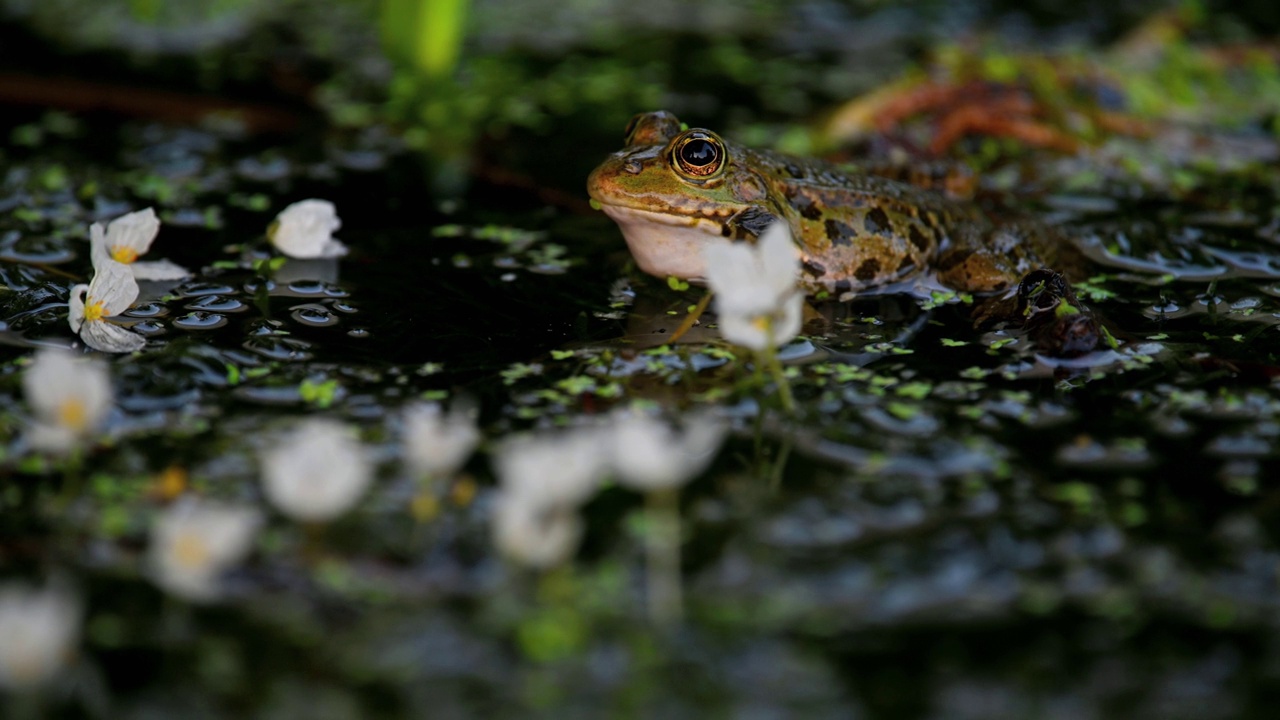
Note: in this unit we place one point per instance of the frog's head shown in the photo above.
(672, 191)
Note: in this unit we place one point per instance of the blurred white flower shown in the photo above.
(126, 238)
(111, 291)
(438, 443)
(195, 541)
(69, 399)
(553, 469)
(536, 536)
(317, 472)
(305, 230)
(648, 454)
(40, 630)
(758, 303)
(544, 479)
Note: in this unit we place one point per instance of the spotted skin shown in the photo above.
(854, 232)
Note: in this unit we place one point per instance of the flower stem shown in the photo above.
(662, 557)
(769, 356)
(691, 319)
(779, 466)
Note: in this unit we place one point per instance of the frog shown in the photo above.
(673, 189)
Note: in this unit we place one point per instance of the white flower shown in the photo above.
(553, 470)
(111, 291)
(436, 443)
(544, 479)
(649, 454)
(317, 472)
(126, 238)
(40, 630)
(540, 537)
(195, 541)
(69, 399)
(305, 230)
(758, 304)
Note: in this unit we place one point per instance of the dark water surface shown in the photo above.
(950, 526)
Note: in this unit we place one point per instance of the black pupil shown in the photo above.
(698, 153)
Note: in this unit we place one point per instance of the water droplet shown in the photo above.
(147, 310)
(343, 307)
(264, 169)
(265, 327)
(253, 286)
(200, 320)
(279, 348)
(34, 249)
(314, 315)
(507, 277)
(150, 328)
(358, 333)
(196, 289)
(269, 394)
(307, 287)
(218, 303)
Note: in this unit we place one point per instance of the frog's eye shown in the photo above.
(698, 154)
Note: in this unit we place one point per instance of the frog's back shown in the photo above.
(860, 231)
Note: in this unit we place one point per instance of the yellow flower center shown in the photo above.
(191, 551)
(95, 310)
(72, 414)
(123, 253)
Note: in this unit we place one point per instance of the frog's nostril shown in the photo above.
(632, 167)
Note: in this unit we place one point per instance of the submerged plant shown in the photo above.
(69, 398)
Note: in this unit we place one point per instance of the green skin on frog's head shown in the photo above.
(673, 191)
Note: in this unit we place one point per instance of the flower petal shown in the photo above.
(53, 439)
(333, 249)
(135, 231)
(305, 230)
(56, 377)
(75, 313)
(113, 286)
(742, 330)
(786, 322)
(98, 245)
(317, 472)
(159, 270)
(109, 337)
(778, 257)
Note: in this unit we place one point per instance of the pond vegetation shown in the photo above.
(463, 468)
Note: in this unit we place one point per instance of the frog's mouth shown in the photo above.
(663, 244)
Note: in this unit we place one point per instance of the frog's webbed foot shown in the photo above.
(1050, 312)
(1046, 308)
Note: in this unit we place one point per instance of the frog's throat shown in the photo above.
(666, 245)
